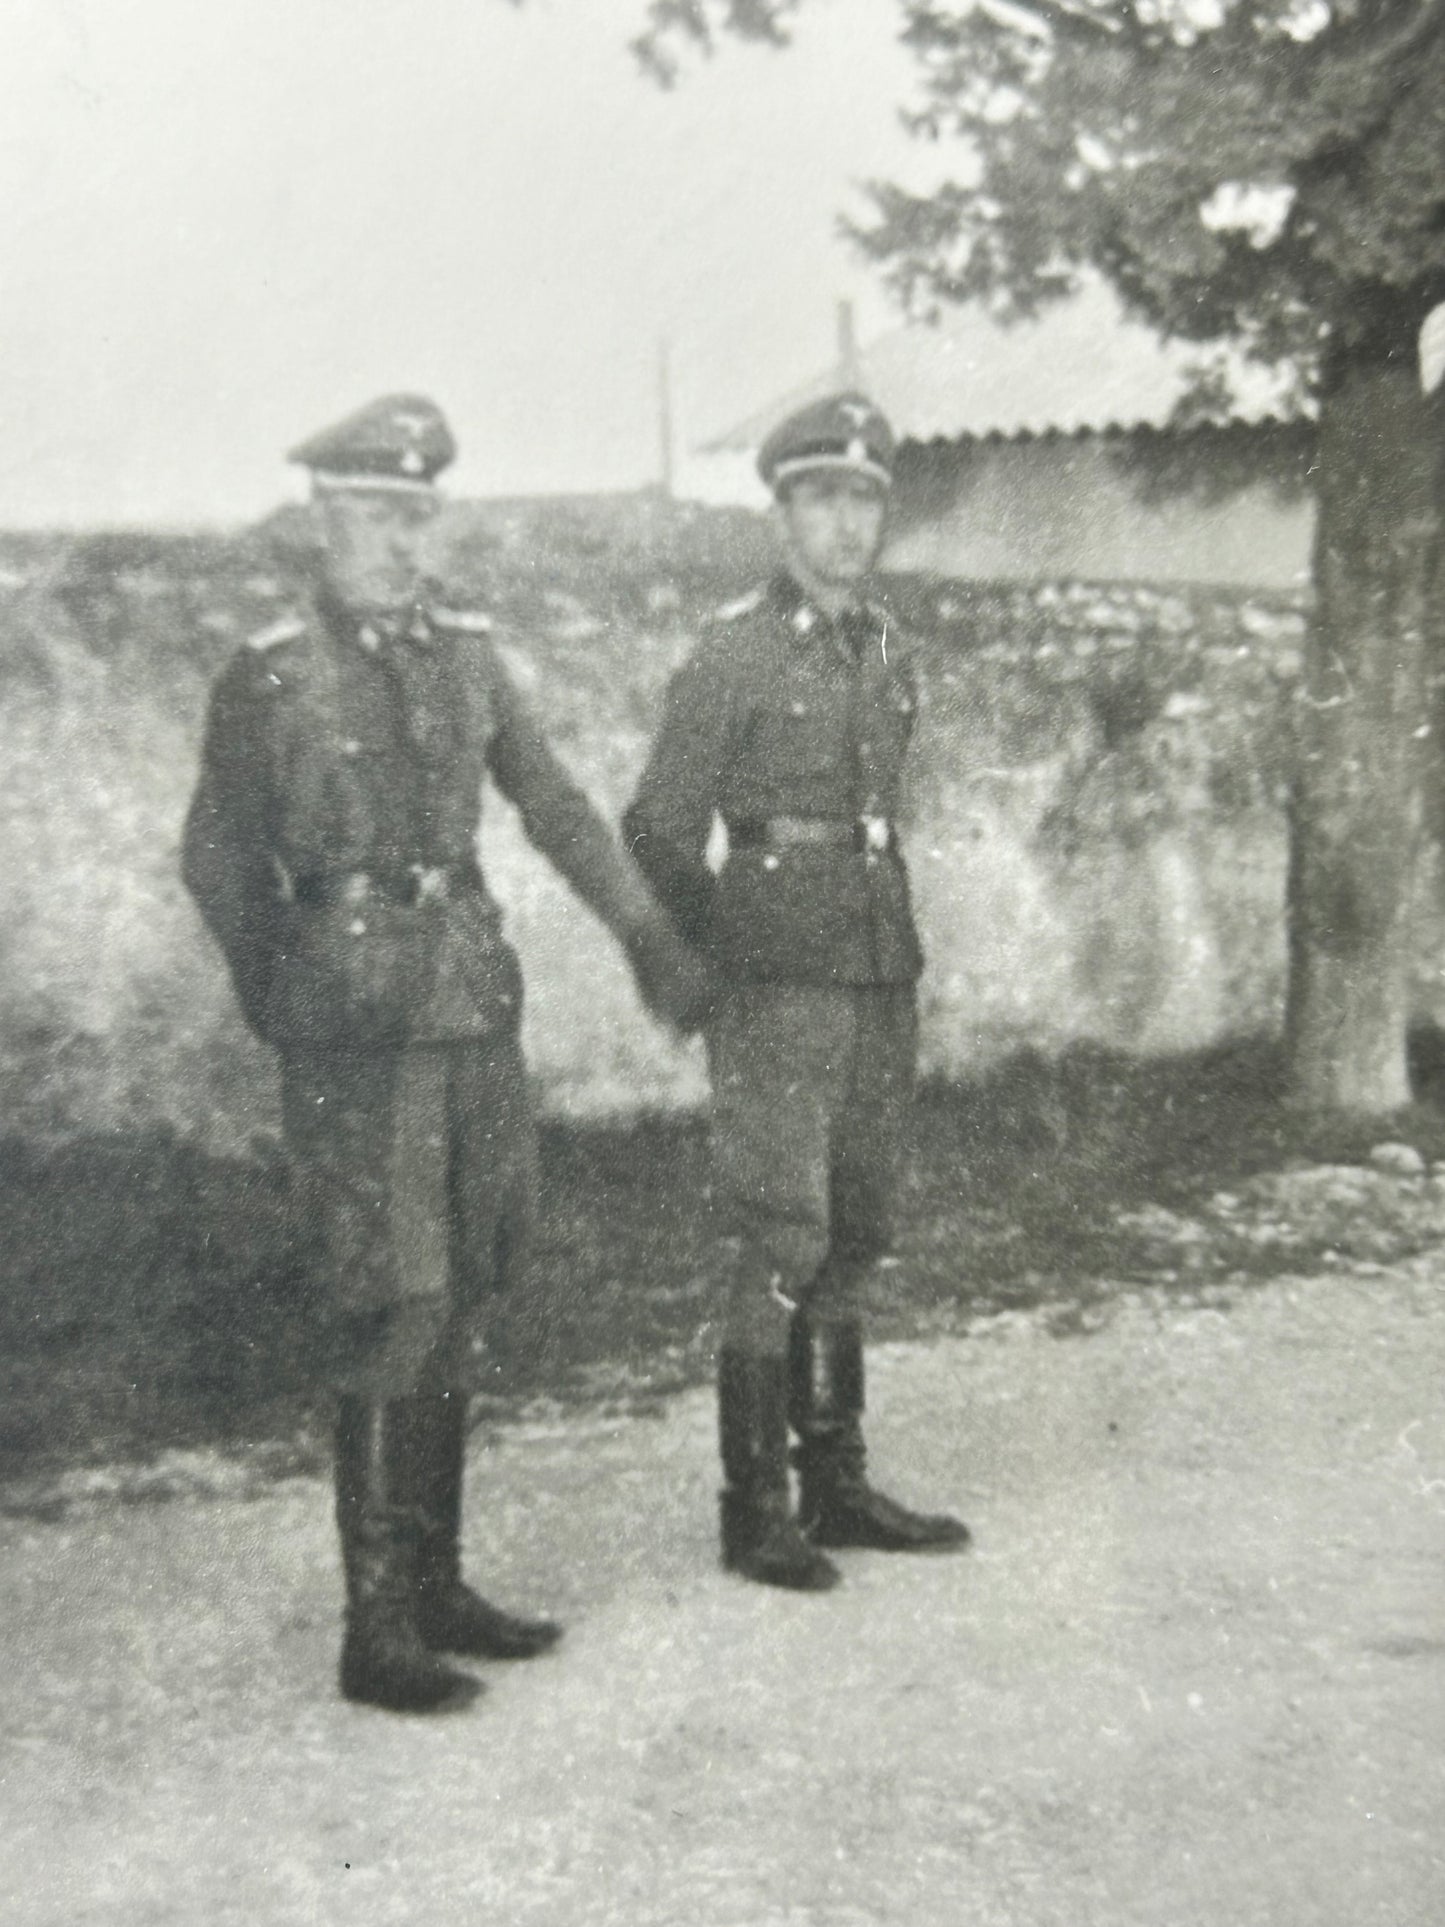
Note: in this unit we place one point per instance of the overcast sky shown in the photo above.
(227, 222)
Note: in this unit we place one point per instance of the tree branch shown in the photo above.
(698, 23)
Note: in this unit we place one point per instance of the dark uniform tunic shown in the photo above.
(331, 848)
(793, 729)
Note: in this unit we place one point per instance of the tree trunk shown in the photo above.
(1362, 743)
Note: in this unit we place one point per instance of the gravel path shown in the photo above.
(1192, 1675)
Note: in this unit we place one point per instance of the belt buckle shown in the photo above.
(429, 883)
(877, 836)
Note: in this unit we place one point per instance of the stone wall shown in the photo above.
(1095, 834)
(1215, 506)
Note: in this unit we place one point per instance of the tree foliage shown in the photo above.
(1270, 172)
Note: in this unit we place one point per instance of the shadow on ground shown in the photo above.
(155, 1297)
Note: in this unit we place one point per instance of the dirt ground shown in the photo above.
(1193, 1670)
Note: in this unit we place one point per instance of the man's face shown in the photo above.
(377, 542)
(834, 523)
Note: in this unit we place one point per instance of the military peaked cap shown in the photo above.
(846, 432)
(401, 441)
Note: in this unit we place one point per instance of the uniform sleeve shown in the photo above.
(670, 819)
(228, 841)
(559, 820)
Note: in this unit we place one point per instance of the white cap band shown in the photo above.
(326, 483)
(842, 464)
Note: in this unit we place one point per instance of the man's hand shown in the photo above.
(675, 983)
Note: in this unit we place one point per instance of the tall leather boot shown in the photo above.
(760, 1537)
(383, 1660)
(450, 1617)
(837, 1506)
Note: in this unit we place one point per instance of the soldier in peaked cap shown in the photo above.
(401, 442)
(790, 722)
(331, 848)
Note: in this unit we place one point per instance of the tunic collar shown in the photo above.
(807, 624)
(373, 631)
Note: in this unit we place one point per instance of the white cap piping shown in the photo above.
(324, 482)
(800, 465)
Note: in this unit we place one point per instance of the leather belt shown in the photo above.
(866, 836)
(409, 887)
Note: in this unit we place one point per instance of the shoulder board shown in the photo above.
(471, 621)
(287, 629)
(743, 606)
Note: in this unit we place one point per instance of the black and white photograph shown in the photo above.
(722, 963)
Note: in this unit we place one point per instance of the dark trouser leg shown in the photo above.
(450, 1617)
(760, 1538)
(771, 1054)
(383, 1660)
(362, 1129)
(837, 1506)
(490, 1185)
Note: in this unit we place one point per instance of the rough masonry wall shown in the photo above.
(1096, 835)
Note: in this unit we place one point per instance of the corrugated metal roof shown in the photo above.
(1081, 365)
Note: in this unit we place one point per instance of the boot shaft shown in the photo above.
(825, 1400)
(383, 1659)
(431, 1461)
(753, 1420)
(825, 1373)
(449, 1615)
(837, 1505)
(433, 1448)
(377, 1524)
(760, 1538)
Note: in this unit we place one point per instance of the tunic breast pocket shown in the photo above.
(799, 738)
(890, 726)
(900, 703)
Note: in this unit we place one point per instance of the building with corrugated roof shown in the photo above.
(1077, 444)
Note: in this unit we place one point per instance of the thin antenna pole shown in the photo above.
(847, 345)
(664, 415)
